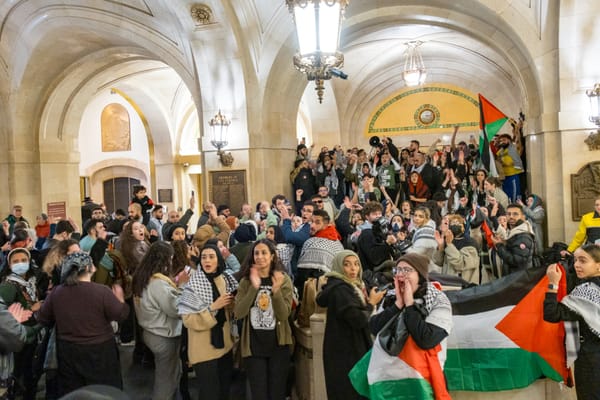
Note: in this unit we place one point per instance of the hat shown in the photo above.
(245, 233)
(418, 262)
(172, 229)
(18, 250)
(222, 207)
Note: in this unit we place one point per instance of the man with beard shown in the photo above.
(517, 250)
(318, 251)
(512, 166)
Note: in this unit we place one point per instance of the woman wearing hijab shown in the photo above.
(580, 309)
(347, 336)
(206, 309)
(82, 311)
(20, 286)
(535, 213)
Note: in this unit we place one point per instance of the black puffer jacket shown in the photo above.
(517, 252)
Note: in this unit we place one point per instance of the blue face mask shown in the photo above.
(20, 268)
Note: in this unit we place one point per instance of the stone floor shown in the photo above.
(138, 380)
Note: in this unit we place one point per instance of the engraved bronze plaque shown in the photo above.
(165, 195)
(585, 189)
(228, 187)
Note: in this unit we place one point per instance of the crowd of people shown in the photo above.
(378, 224)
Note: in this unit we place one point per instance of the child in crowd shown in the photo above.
(140, 197)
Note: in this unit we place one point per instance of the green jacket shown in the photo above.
(282, 307)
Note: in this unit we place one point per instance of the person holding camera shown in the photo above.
(375, 246)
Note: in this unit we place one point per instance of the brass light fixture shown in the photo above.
(593, 140)
(318, 26)
(219, 126)
(414, 72)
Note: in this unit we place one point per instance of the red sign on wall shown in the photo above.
(57, 210)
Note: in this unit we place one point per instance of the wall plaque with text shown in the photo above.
(165, 196)
(228, 187)
(56, 210)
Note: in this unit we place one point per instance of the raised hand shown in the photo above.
(254, 277)
(277, 279)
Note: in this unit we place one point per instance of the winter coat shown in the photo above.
(517, 252)
(347, 337)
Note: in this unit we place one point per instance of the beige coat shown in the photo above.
(199, 325)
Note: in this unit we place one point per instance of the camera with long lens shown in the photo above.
(381, 229)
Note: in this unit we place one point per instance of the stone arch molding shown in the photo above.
(494, 28)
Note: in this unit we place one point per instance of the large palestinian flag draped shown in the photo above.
(500, 339)
(499, 342)
(490, 121)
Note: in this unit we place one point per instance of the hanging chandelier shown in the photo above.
(414, 72)
(318, 26)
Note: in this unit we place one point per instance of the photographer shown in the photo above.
(374, 244)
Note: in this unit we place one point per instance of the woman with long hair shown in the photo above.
(205, 307)
(427, 314)
(155, 296)
(423, 236)
(478, 187)
(87, 352)
(580, 308)
(347, 337)
(264, 301)
(133, 246)
(55, 257)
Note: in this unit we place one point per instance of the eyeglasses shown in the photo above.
(403, 270)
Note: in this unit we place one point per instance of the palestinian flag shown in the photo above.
(415, 373)
(500, 340)
(490, 121)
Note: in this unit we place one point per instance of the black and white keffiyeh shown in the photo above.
(28, 285)
(197, 294)
(585, 301)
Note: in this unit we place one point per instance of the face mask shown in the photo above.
(20, 268)
(456, 230)
(396, 227)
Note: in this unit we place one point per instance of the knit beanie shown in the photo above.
(418, 262)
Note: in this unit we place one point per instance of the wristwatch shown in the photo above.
(553, 286)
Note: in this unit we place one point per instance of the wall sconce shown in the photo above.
(219, 126)
(593, 140)
(318, 27)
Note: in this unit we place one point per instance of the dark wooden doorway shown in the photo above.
(118, 193)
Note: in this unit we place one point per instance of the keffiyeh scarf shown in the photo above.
(585, 301)
(198, 294)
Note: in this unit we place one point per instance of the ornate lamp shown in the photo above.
(414, 73)
(318, 26)
(593, 140)
(219, 126)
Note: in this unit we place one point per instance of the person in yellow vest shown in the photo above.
(589, 229)
(512, 166)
